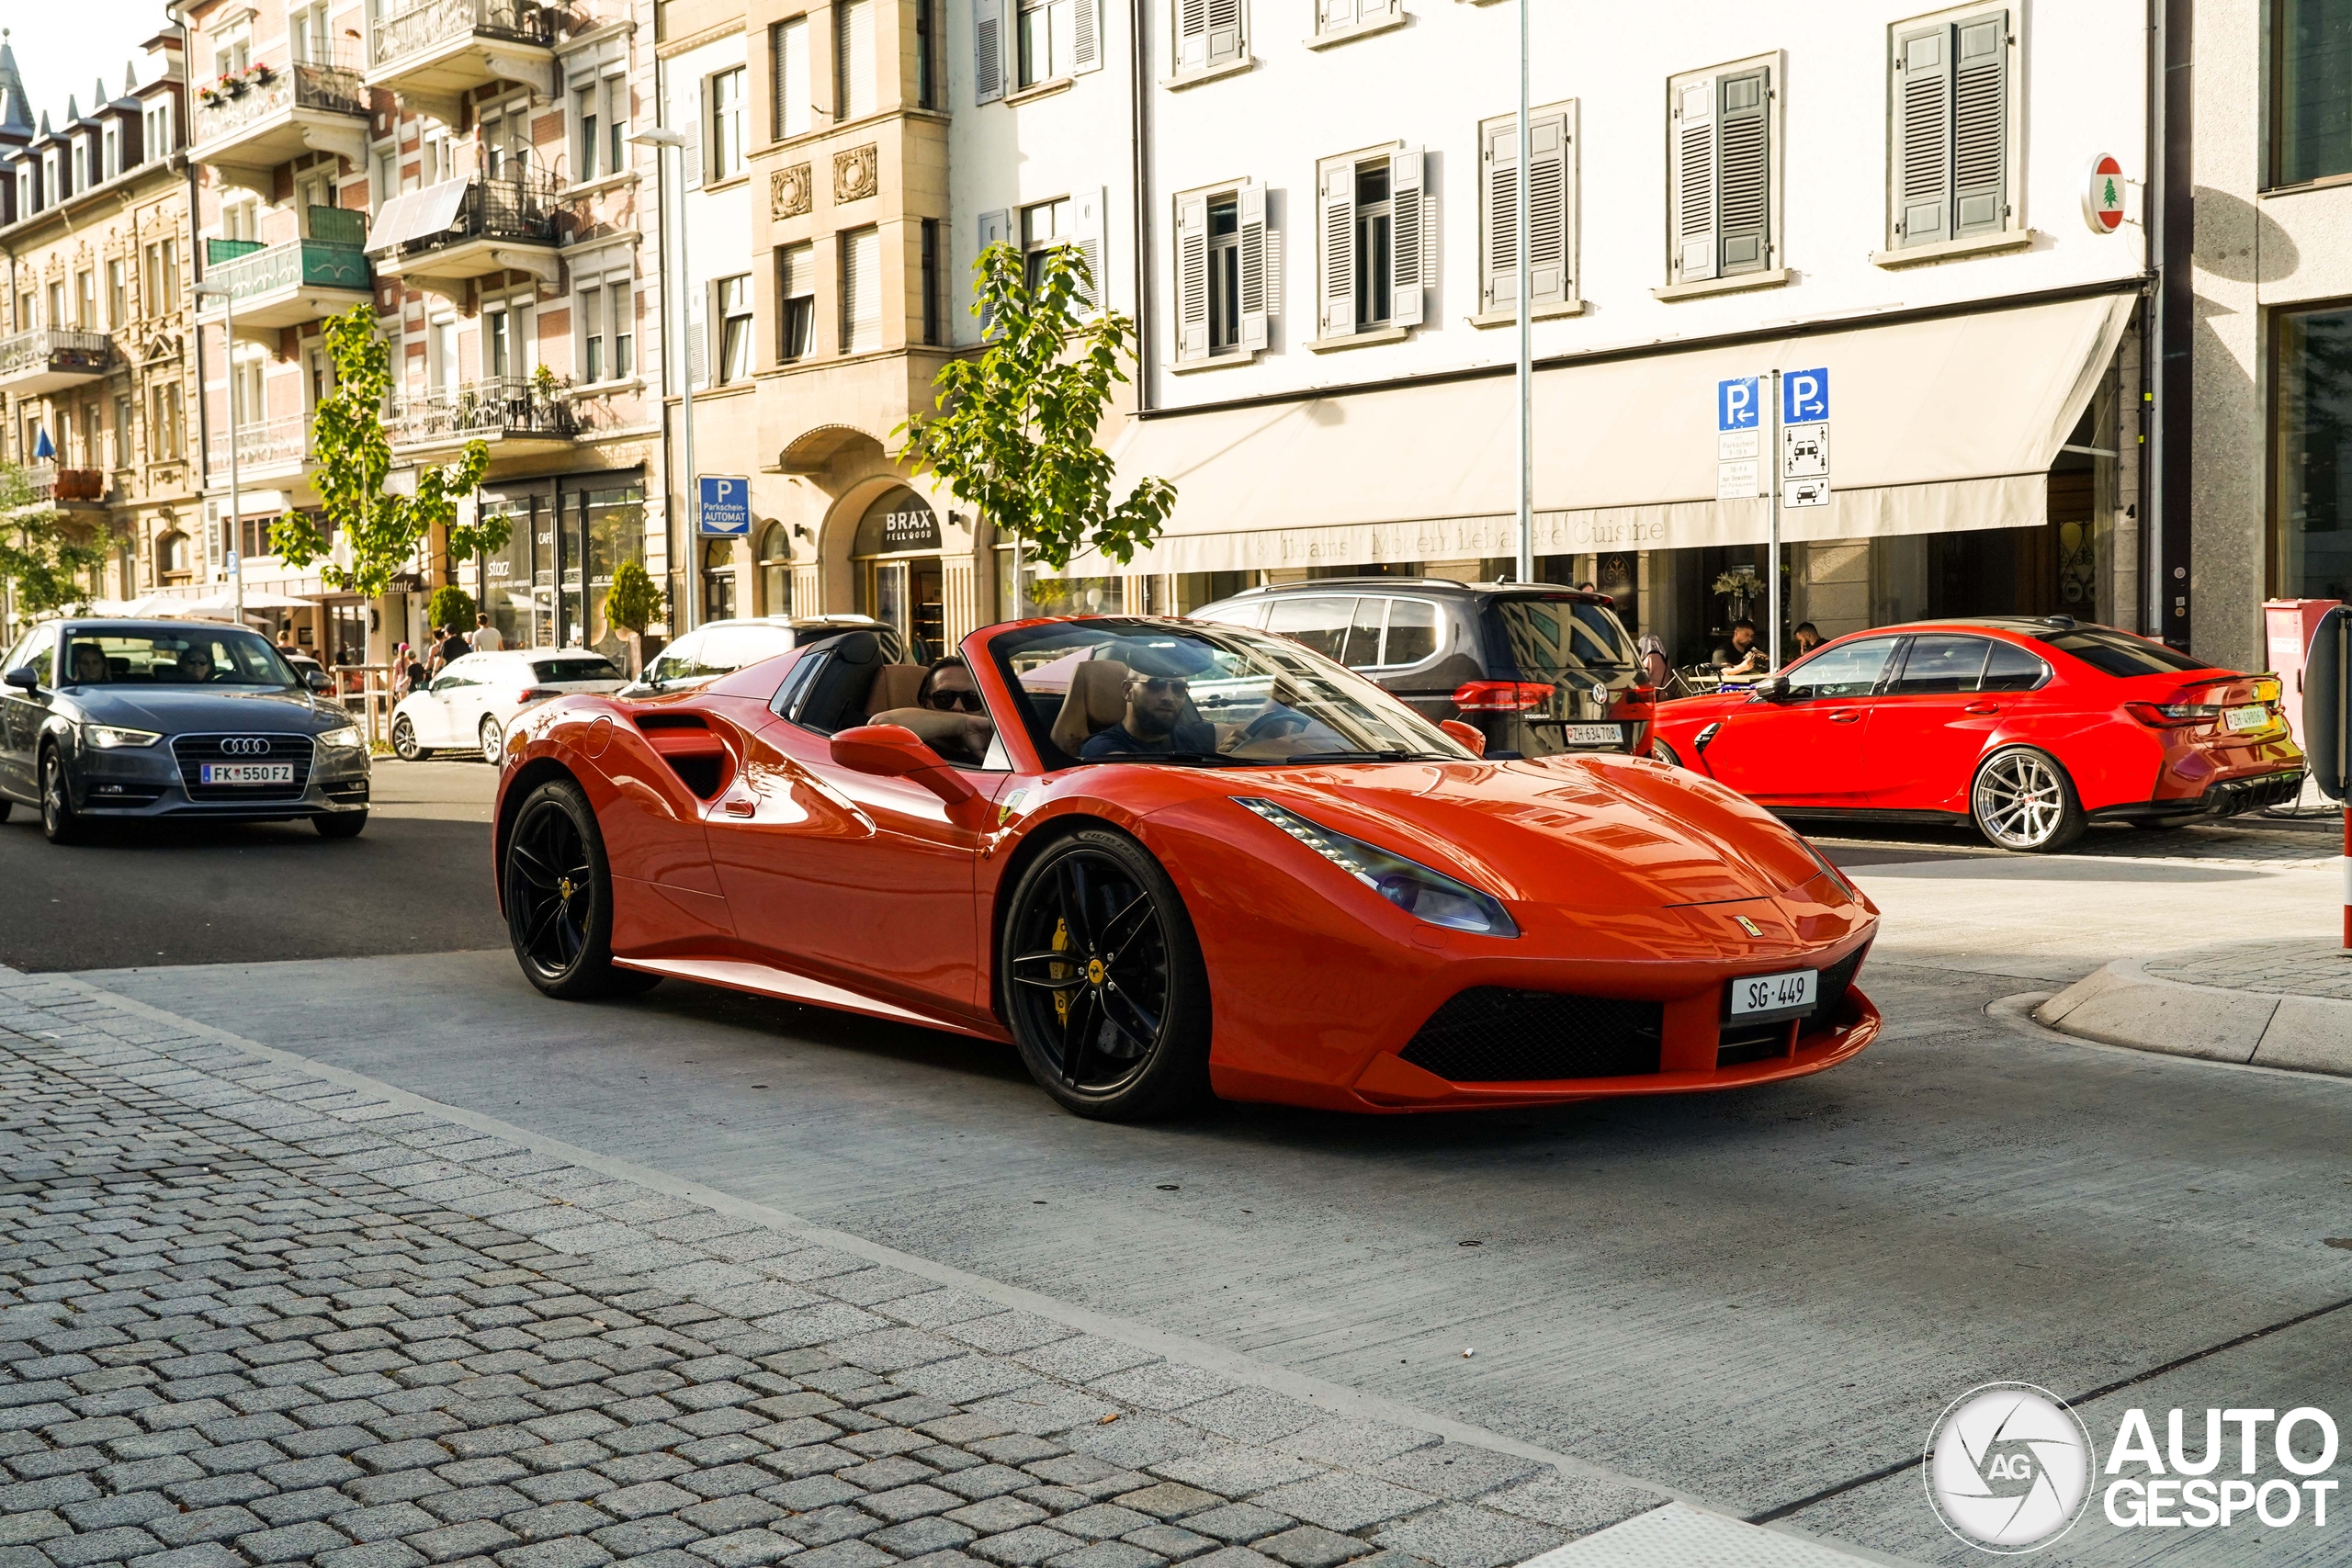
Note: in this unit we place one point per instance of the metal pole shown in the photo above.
(686, 413)
(1526, 351)
(236, 507)
(1771, 467)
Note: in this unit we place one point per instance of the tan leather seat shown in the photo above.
(895, 686)
(1096, 700)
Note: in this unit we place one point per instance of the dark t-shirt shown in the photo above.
(454, 648)
(1184, 738)
(1727, 655)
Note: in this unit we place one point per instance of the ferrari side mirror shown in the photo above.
(893, 751)
(1470, 734)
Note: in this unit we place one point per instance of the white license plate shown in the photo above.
(1596, 735)
(2238, 721)
(245, 772)
(1773, 995)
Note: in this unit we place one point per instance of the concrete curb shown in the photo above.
(2122, 1004)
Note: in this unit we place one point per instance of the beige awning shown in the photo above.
(1935, 427)
(412, 215)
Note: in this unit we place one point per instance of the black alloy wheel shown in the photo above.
(404, 741)
(1103, 981)
(60, 823)
(560, 898)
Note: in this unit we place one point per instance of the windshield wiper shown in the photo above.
(1202, 758)
(1393, 756)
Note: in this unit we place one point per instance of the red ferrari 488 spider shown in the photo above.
(1169, 860)
(2033, 729)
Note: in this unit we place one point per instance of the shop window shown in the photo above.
(900, 578)
(2314, 460)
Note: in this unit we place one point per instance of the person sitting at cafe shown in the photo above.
(1741, 659)
(1807, 637)
(1159, 696)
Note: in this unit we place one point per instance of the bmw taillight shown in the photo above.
(2174, 715)
(1503, 697)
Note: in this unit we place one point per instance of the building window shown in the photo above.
(776, 572)
(734, 328)
(2311, 73)
(2314, 460)
(1951, 163)
(853, 58)
(241, 220)
(926, 79)
(727, 145)
(170, 432)
(441, 365)
(935, 322)
(861, 263)
(601, 111)
(608, 335)
(718, 580)
(1045, 50)
(796, 292)
(118, 296)
(57, 317)
(120, 456)
(86, 301)
(1210, 34)
(1044, 227)
(1550, 209)
(1720, 178)
(1221, 274)
(113, 134)
(789, 71)
(159, 132)
(1372, 238)
(307, 35)
(497, 344)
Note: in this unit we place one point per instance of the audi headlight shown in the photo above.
(347, 736)
(107, 737)
(1424, 894)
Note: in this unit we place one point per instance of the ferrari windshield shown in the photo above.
(201, 655)
(1134, 691)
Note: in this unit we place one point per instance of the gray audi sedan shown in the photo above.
(105, 719)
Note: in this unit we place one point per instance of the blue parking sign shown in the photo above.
(726, 505)
(1737, 405)
(1805, 397)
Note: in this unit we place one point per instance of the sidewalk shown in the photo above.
(254, 1311)
(2272, 1004)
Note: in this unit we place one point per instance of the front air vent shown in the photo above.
(685, 741)
(1495, 1034)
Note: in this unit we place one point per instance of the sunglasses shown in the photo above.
(1157, 684)
(953, 702)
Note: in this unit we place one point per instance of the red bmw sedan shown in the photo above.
(2030, 728)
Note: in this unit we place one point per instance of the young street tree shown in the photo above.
(1014, 434)
(45, 561)
(383, 531)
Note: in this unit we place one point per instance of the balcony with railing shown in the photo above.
(266, 450)
(48, 358)
(250, 121)
(61, 486)
(444, 48)
(301, 280)
(512, 413)
(471, 228)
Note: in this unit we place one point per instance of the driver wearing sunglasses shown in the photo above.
(1156, 702)
(948, 687)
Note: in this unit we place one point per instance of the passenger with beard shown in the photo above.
(1158, 699)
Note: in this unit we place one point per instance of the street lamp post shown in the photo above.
(658, 140)
(227, 295)
(1526, 345)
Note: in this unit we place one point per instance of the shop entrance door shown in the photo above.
(901, 579)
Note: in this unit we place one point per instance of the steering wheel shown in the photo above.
(1272, 724)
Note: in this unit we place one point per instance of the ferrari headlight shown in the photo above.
(1838, 878)
(107, 737)
(347, 736)
(1424, 894)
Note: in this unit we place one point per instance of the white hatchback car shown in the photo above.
(473, 699)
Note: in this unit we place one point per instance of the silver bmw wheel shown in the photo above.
(2022, 800)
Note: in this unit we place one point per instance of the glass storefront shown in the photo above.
(2314, 501)
(547, 588)
(900, 578)
(612, 524)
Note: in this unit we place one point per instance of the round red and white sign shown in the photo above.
(2103, 195)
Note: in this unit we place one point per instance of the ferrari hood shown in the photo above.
(1589, 831)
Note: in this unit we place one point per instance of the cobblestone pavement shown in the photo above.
(2287, 968)
(249, 1314)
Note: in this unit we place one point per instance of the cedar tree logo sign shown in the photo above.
(2008, 1467)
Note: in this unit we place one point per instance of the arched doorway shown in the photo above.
(774, 557)
(901, 577)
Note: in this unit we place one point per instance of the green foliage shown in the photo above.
(633, 602)
(46, 560)
(450, 606)
(1014, 434)
(354, 455)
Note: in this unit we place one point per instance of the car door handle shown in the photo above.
(1982, 707)
(1848, 716)
(740, 808)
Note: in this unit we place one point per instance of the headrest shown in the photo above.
(1097, 699)
(895, 686)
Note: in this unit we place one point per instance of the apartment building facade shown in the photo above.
(1890, 192)
(96, 398)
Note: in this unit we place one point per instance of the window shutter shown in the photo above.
(988, 53)
(1500, 284)
(1923, 136)
(689, 120)
(1192, 34)
(1086, 37)
(994, 227)
(1691, 199)
(1743, 176)
(1411, 265)
(789, 68)
(861, 291)
(1086, 233)
(1225, 30)
(1549, 261)
(1252, 201)
(1192, 278)
(1336, 210)
(854, 60)
(1981, 127)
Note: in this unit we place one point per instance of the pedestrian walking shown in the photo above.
(454, 648)
(1650, 654)
(486, 638)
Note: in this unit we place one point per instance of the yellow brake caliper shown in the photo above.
(1060, 971)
